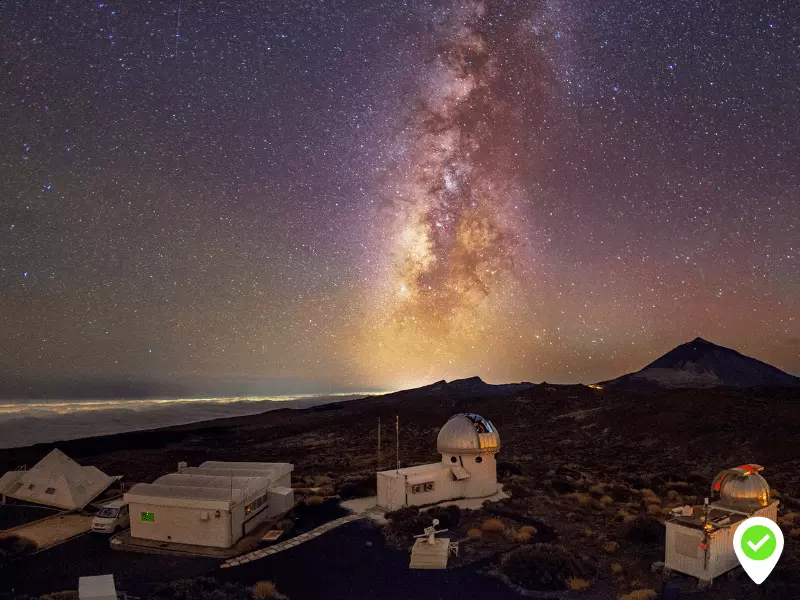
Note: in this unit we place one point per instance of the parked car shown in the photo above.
(112, 517)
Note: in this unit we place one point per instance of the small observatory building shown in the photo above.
(468, 444)
(700, 539)
(214, 504)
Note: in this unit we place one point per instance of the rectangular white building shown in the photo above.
(214, 504)
(700, 544)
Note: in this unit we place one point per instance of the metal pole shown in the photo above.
(379, 444)
(397, 435)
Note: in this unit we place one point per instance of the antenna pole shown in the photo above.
(397, 436)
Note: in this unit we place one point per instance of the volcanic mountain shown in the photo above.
(702, 364)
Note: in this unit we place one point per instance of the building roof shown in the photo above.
(57, 481)
(188, 497)
(97, 587)
(468, 433)
(278, 469)
(216, 487)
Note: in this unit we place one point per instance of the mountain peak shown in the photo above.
(703, 364)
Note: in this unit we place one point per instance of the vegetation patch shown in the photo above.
(541, 567)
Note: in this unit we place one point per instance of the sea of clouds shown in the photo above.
(27, 422)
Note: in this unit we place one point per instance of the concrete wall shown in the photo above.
(182, 525)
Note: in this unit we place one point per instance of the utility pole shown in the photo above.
(379, 444)
(397, 436)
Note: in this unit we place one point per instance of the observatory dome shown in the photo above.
(468, 433)
(742, 487)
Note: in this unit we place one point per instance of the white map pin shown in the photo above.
(758, 543)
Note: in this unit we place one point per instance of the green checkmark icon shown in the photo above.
(758, 542)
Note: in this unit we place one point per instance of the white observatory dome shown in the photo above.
(742, 487)
(468, 433)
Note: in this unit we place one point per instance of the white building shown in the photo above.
(214, 504)
(468, 444)
(57, 481)
(700, 544)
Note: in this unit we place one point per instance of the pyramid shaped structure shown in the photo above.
(59, 481)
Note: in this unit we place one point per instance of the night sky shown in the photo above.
(386, 193)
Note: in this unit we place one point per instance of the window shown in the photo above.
(479, 459)
(108, 513)
(50, 491)
(453, 459)
(148, 516)
(429, 486)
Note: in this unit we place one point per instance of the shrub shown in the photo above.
(620, 493)
(541, 567)
(63, 595)
(314, 500)
(598, 489)
(200, 588)
(576, 584)
(405, 520)
(356, 487)
(493, 526)
(639, 595)
(522, 537)
(266, 590)
(528, 529)
(13, 546)
(616, 569)
(610, 547)
(474, 533)
(449, 516)
(653, 510)
(646, 530)
(795, 532)
(606, 500)
(582, 498)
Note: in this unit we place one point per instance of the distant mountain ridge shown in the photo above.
(703, 364)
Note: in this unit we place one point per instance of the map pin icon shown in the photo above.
(758, 543)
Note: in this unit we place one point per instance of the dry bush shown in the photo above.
(598, 489)
(606, 501)
(621, 514)
(474, 533)
(653, 510)
(528, 529)
(314, 500)
(588, 532)
(795, 532)
(319, 481)
(610, 547)
(493, 526)
(576, 584)
(788, 518)
(629, 518)
(522, 537)
(640, 595)
(266, 590)
(582, 498)
(617, 569)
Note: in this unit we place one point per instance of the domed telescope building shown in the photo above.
(468, 444)
(700, 539)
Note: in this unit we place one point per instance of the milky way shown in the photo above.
(351, 194)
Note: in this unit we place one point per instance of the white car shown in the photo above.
(112, 517)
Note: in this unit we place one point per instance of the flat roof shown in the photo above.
(416, 470)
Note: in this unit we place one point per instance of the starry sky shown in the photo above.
(384, 193)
